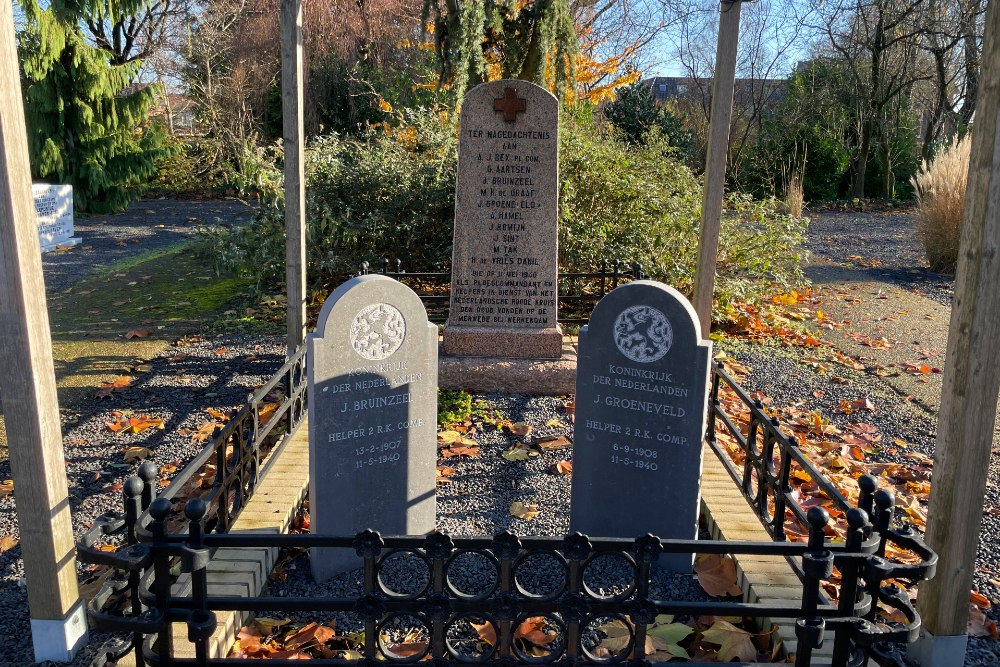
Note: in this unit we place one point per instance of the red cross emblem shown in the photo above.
(510, 104)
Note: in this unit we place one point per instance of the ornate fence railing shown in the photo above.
(578, 292)
(872, 617)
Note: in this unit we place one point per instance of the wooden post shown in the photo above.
(715, 163)
(30, 405)
(971, 382)
(295, 189)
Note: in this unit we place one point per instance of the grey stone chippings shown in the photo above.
(177, 392)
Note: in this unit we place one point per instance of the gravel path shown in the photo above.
(882, 245)
(882, 248)
(149, 225)
(188, 377)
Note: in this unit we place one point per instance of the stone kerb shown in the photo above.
(641, 396)
(372, 416)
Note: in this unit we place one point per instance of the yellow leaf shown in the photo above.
(522, 511)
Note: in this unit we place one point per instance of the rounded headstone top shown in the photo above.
(647, 317)
(377, 328)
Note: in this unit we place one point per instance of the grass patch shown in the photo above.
(163, 294)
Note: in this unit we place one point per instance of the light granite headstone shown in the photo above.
(641, 397)
(504, 264)
(372, 417)
(54, 212)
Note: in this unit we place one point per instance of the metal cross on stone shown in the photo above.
(510, 104)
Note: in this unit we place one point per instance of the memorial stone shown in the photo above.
(641, 397)
(504, 264)
(54, 212)
(372, 417)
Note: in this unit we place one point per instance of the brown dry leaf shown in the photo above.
(979, 625)
(6, 488)
(471, 452)
(553, 443)
(204, 432)
(265, 411)
(136, 453)
(979, 600)
(520, 429)
(117, 425)
(222, 350)
(532, 630)
(487, 632)
(120, 383)
(217, 414)
(523, 511)
(137, 333)
(443, 472)
(571, 410)
(7, 543)
(310, 635)
(717, 574)
(733, 642)
(564, 467)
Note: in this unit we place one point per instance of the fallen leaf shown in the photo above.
(120, 383)
(133, 454)
(553, 423)
(518, 452)
(553, 442)
(520, 429)
(310, 635)
(6, 487)
(564, 467)
(443, 472)
(137, 333)
(448, 437)
(7, 543)
(717, 574)
(522, 511)
(733, 642)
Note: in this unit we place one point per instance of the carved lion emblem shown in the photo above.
(377, 331)
(643, 334)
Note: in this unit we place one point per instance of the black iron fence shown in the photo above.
(872, 618)
(578, 292)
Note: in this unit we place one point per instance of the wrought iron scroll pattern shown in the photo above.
(138, 603)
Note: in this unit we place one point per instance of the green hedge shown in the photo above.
(391, 195)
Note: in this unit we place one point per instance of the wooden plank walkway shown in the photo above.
(244, 572)
(764, 579)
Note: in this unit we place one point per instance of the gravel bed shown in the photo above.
(476, 501)
(185, 379)
(882, 245)
(147, 226)
(775, 371)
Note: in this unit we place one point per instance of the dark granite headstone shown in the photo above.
(504, 264)
(372, 417)
(641, 397)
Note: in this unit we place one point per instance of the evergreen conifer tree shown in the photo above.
(87, 126)
(484, 40)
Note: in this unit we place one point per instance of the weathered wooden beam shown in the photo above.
(293, 131)
(30, 404)
(971, 382)
(723, 83)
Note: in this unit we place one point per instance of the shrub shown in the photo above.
(185, 171)
(940, 189)
(391, 194)
(635, 203)
(636, 114)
